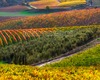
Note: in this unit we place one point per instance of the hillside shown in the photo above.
(30, 46)
(58, 73)
(66, 18)
(42, 4)
(15, 8)
(49, 40)
(4, 3)
(90, 57)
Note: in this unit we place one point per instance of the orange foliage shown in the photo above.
(67, 18)
(11, 36)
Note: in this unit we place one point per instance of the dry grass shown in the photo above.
(55, 4)
(71, 3)
(43, 3)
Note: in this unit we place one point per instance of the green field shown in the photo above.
(23, 13)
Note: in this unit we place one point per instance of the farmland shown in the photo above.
(66, 38)
(67, 3)
(58, 71)
(69, 18)
(88, 57)
(41, 4)
(15, 8)
(33, 46)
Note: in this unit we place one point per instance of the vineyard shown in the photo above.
(69, 41)
(16, 72)
(18, 35)
(30, 46)
(90, 57)
(69, 18)
(13, 36)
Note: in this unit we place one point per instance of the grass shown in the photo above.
(1, 62)
(22, 13)
(71, 3)
(98, 39)
(90, 57)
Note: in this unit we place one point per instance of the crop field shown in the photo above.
(68, 69)
(90, 57)
(71, 3)
(5, 18)
(68, 40)
(41, 4)
(69, 18)
(10, 36)
(70, 0)
(31, 46)
(16, 35)
(68, 3)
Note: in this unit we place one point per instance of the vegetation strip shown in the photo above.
(68, 54)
